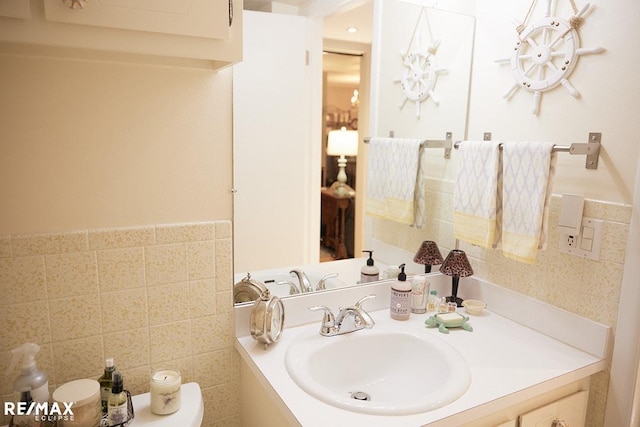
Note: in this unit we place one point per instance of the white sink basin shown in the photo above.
(401, 372)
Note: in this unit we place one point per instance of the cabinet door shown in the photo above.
(571, 409)
(276, 169)
(197, 18)
(15, 9)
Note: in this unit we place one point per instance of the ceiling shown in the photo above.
(335, 26)
(342, 70)
(360, 17)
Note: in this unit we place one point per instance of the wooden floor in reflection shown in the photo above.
(326, 254)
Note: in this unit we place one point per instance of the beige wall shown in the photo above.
(89, 144)
(607, 101)
(115, 231)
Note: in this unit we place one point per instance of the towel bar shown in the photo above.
(433, 143)
(591, 149)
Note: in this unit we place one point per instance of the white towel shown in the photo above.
(528, 171)
(476, 196)
(394, 184)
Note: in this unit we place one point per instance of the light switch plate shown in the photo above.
(570, 218)
(587, 243)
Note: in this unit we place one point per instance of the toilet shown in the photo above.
(189, 415)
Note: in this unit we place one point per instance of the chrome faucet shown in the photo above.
(303, 280)
(336, 325)
(321, 284)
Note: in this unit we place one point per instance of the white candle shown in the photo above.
(165, 391)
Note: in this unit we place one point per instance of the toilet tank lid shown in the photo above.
(190, 413)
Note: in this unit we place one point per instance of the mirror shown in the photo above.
(401, 23)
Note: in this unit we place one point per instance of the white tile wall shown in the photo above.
(148, 296)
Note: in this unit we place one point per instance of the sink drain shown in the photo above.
(360, 395)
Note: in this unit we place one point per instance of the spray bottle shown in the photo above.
(30, 377)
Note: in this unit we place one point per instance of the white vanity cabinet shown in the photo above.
(567, 403)
(568, 411)
(205, 33)
(571, 411)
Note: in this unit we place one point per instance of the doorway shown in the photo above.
(345, 94)
(340, 107)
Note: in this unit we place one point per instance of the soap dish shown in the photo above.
(444, 321)
(474, 306)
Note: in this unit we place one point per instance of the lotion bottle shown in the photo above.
(400, 307)
(369, 272)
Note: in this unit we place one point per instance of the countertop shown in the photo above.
(510, 361)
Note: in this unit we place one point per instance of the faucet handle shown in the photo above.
(363, 299)
(328, 319)
(328, 314)
(292, 287)
(321, 284)
(368, 320)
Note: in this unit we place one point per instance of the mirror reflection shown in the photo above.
(392, 108)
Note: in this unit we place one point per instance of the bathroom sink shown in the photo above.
(379, 371)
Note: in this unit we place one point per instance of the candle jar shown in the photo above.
(165, 391)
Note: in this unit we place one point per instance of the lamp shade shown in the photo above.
(456, 264)
(428, 254)
(342, 142)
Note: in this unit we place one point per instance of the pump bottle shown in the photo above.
(369, 272)
(400, 307)
(117, 405)
(30, 377)
(106, 383)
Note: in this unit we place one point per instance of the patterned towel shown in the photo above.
(476, 198)
(529, 168)
(394, 184)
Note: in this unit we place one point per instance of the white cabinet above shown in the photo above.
(15, 8)
(197, 18)
(176, 32)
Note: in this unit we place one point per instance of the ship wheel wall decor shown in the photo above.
(546, 53)
(421, 71)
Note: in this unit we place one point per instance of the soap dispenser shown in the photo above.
(400, 307)
(369, 272)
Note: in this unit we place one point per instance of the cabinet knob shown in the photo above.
(559, 423)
